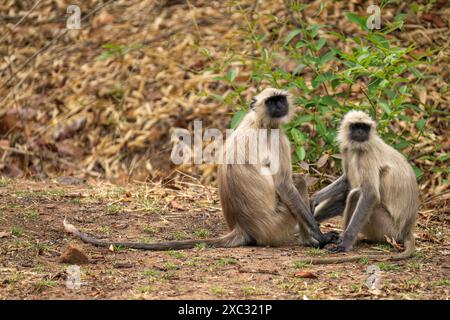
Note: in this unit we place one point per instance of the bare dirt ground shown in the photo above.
(32, 239)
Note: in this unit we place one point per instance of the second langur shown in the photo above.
(377, 193)
(260, 209)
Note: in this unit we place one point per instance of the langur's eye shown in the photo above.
(252, 103)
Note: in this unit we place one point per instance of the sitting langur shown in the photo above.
(377, 193)
(261, 207)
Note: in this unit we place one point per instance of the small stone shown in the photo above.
(73, 255)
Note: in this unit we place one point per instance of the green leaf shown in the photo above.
(299, 68)
(217, 97)
(265, 55)
(373, 86)
(297, 136)
(300, 83)
(385, 107)
(363, 57)
(229, 98)
(401, 145)
(256, 77)
(117, 48)
(416, 73)
(417, 171)
(326, 57)
(303, 119)
(420, 124)
(400, 17)
(105, 55)
(321, 128)
(445, 170)
(309, 59)
(262, 37)
(300, 152)
(313, 30)
(320, 43)
(361, 21)
(237, 117)
(321, 78)
(300, 44)
(292, 35)
(444, 157)
(330, 101)
(335, 83)
(322, 5)
(231, 75)
(378, 40)
(384, 83)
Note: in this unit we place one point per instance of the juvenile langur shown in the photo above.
(260, 207)
(377, 193)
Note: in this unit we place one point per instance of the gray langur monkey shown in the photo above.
(260, 207)
(377, 193)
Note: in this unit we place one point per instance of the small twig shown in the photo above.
(274, 272)
(371, 103)
(332, 178)
(421, 154)
(428, 200)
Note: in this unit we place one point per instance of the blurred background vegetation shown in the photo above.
(102, 101)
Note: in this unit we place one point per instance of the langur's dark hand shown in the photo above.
(332, 237)
(327, 238)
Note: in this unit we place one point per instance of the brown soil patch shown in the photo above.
(33, 240)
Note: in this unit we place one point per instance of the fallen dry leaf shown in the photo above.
(176, 205)
(426, 236)
(434, 19)
(322, 161)
(5, 234)
(4, 143)
(305, 274)
(310, 180)
(102, 19)
(304, 165)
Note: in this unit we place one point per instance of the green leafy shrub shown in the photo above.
(375, 75)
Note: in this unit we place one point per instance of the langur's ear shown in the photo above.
(253, 104)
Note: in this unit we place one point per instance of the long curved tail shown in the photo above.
(409, 244)
(233, 239)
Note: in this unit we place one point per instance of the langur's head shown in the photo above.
(357, 130)
(272, 107)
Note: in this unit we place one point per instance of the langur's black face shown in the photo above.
(277, 106)
(359, 132)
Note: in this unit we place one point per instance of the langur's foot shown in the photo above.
(340, 247)
(337, 249)
(327, 238)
